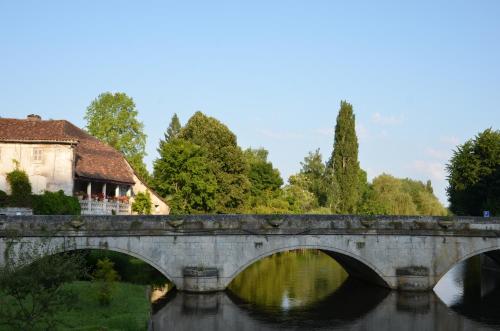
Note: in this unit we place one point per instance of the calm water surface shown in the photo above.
(308, 290)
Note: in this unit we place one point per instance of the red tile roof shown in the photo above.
(93, 158)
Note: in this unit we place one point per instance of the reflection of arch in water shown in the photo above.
(356, 266)
(479, 299)
(350, 302)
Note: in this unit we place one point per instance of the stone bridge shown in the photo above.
(203, 253)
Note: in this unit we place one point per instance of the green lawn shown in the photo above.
(129, 309)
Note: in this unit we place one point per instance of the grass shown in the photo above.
(129, 309)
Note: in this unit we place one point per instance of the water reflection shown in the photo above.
(289, 280)
(281, 293)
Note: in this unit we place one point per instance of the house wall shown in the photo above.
(52, 173)
(159, 206)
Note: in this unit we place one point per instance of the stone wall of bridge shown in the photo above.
(204, 253)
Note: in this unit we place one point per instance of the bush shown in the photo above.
(3, 199)
(142, 203)
(20, 188)
(105, 276)
(55, 203)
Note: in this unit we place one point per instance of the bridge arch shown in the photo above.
(63, 245)
(492, 251)
(356, 266)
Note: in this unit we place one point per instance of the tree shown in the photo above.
(263, 177)
(299, 198)
(112, 118)
(105, 277)
(388, 195)
(186, 177)
(31, 283)
(474, 175)
(142, 203)
(229, 165)
(20, 187)
(315, 170)
(344, 161)
(173, 130)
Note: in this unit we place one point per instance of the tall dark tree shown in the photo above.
(344, 161)
(474, 175)
(112, 118)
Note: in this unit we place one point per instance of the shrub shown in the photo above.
(55, 203)
(105, 277)
(142, 203)
(3, 199)
(20, 187)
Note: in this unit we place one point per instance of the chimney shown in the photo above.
(33, 117)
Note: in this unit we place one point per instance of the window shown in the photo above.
(37, 155)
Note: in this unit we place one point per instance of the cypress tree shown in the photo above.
(344, 162)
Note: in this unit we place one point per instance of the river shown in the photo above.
(308, 290)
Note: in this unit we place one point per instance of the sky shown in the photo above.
(422, 76)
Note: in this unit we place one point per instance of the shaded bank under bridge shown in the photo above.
(203, 253)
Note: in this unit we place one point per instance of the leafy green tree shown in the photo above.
(142, 203)
(105, 278)
(185, 175)
(112, 118)
(229, 164)
(474, 175)
(263, 177)
(314, 169)
(31, 285)
(298, 196)
(173, 130)
(20, 187)
(344, 161)
(388, 195)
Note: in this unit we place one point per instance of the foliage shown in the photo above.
(142, 203)
(173, 130)
(265, 184)
(31, 283)
(55, 203)
(128, 311)
(129, 268)
(314, 170)
(229, 165)
(299, 198)
(186, 176)
(388, 195)
(112, 118)
(474, 175)
(344, 161)
(20, 188)
(3, 199)
(105, 277)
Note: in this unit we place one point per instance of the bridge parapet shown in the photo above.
(52, 225)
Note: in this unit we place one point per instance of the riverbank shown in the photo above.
(129, 309)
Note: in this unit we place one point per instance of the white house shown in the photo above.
(57, 155)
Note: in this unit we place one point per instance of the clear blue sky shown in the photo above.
(422, 76)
